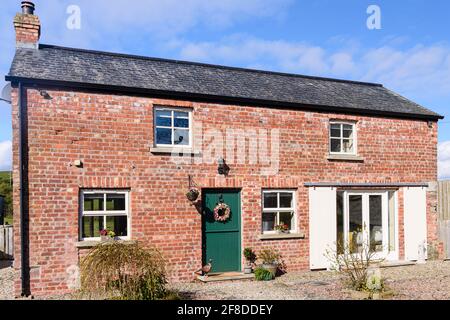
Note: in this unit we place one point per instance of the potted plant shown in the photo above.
(270, 260)
(282, 228)
(107, 235)
(192, 194)
(250, 257)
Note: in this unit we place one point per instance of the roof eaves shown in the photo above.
(227, 99)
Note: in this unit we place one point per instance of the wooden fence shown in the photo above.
(6, 243)
(444, 214)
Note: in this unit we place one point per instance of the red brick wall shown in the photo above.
(28, 29)
(112, 135)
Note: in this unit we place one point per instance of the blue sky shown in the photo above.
(409, 54)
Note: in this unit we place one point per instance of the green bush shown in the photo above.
(117, 270)
(262, 274)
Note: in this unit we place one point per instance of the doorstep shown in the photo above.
(226, 276)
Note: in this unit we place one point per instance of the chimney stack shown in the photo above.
(27, 26)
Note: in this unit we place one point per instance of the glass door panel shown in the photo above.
(376, 223)
(355, 223)
(367, 223)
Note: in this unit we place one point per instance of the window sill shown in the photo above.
(345, 157)
(174, 150)
(282, 236)
(92, 243)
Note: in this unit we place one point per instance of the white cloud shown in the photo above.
(5, 155)
(148, 19)
(419, 71)
(444, 160)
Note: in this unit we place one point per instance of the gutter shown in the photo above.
(218, 99)
(23, 186)
(364, 185)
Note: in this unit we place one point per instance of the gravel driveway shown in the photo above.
(418, 282)
(6, 280)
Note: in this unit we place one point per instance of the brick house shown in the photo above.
(104, 140)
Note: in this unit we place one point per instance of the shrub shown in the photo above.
(269, 256)
(249, 255)
(375, 284)
(262, 274)
(123, 271)
(354, 263)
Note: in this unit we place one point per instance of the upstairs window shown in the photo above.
(173, 127)
(342, 138)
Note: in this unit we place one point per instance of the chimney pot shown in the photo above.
(27, 7)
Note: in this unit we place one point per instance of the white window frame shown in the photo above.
(172, 127)
(105, 213)
(355, 137)
(277, 210)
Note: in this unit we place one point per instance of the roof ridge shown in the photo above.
(124, 55)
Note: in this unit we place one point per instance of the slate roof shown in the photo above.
(112, 70)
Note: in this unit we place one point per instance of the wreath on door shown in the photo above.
(222, 212)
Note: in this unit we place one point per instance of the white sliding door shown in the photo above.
(322, 226)
(415, 221)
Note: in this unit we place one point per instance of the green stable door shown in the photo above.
(222, 240)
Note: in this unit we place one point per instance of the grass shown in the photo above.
(5, 174)
(9, 220)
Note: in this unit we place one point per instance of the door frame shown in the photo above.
(240, 227)
(365, 194)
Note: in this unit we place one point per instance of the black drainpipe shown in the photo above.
(23, 176)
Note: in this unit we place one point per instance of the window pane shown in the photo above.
(348, 131)
(335, 145)
(93, 202)
(286, 218)
(286, 200)
(115, 202)
(164, 118)
(181, 137)
(164, 136)
(269, 221)
(118, 225)
(181, 120)
(270, 200)
(91, 226)
(336, 130)
(347, 146)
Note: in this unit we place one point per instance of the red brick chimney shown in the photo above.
(27, 26)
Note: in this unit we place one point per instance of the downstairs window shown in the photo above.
(104, 210)
(278, 209)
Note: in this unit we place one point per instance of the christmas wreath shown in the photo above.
(222, 212)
